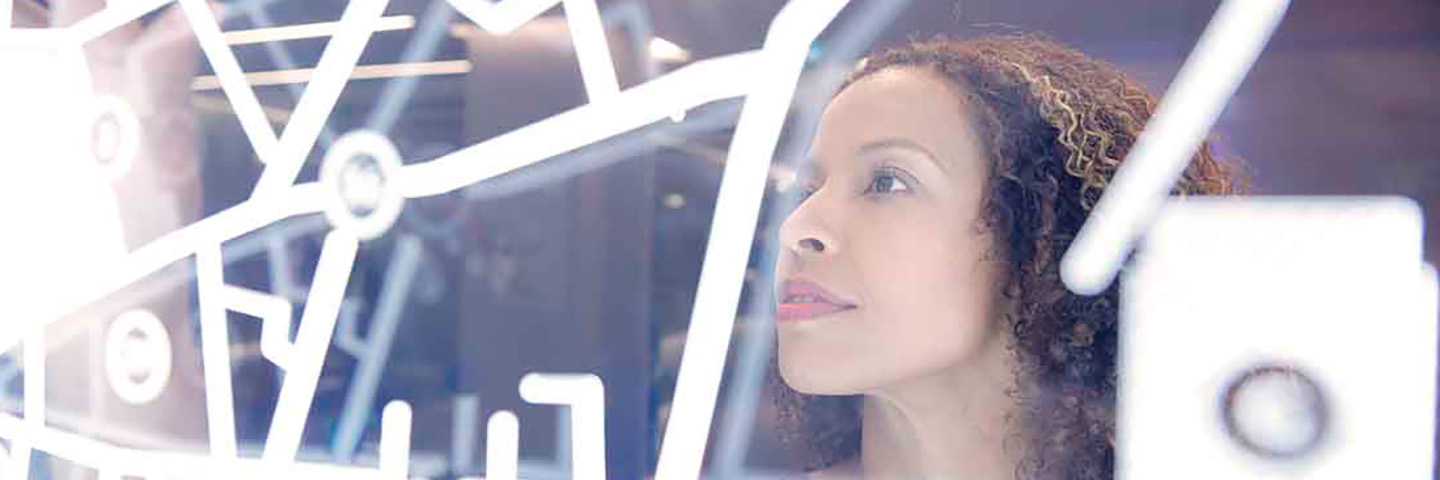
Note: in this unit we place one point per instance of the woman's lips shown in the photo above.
(804, 300)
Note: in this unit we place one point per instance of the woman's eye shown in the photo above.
(887, 183)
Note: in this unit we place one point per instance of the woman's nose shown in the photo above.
(808, 232)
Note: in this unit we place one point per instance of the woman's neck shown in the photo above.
(951, 425)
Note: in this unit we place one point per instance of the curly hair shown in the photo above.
(1056, 125)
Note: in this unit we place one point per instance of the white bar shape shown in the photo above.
(732, 232)
(395, 424)
(231, 77)
(310, 30)
(592, 50)
(333, 71)
(1222, 57)
(584, 394)
(215, 352)
(502, 446)
(317, 324)
(275, 312)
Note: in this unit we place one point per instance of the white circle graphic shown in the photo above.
(115, 135)
(137, 356)
(358, 175)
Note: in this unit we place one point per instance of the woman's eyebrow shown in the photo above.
(901, 143)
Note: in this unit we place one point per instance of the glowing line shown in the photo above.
(274, 312)
(502, 446)
(463, 433)
(282, 273)
(850, 41)
(217, 228)
(693, 85)
(20, 447)
(592, 50)
(317, 324)
(215, 351)
(732, 232)
(503, 18)
(232, 78)
(363, 72)
(587, 33)
(585, 396)
(634, 18)
(1222, 57)
(113, 16)
(341, 55)
(310, 30)
(404, 263)
(395, 422)
(7, 8)
(152, 464)
(282, 59)
(426, 42)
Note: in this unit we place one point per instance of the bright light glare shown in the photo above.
(310, 30)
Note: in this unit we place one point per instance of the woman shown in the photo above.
(923, 329)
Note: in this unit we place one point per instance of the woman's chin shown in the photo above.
(812, 379)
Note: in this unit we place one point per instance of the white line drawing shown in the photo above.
(317, 324)
(341, 55)
(281, 57)
(395, 449)
(123, 131)
(273, 200)
(274, 312)
(359, 175)
(1224, 54)
(731, 233)
(502, 446)
(136, 344)
(372, 353)
(610, 112)
(215, 352)
(584, 395)
(232, 79)
(464, 433)
(150, 464)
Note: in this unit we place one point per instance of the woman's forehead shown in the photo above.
(910, 103)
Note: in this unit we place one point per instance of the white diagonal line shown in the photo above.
(113, 16)
(1222, 57)
(592, 50)
(587, 31)
(697, 84)
(215, 352)
(502, 18)
(341, 55)
(225, 225)
(232, 78)
(317, 324)
(151, 464)
(733, 231)
(404, 263)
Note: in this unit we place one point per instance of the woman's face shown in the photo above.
(884, 274)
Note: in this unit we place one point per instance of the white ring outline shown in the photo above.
(388, 206)
(127, 125)
(127, 389)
